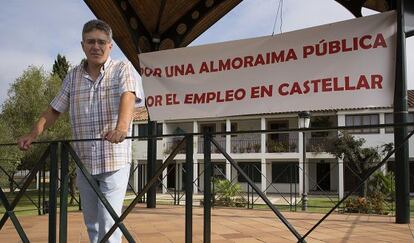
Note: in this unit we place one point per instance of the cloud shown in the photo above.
(253, 18)
(257, 18)
(34, 32)
(12, 67)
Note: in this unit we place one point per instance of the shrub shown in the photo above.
(380, 191)
(227, 194)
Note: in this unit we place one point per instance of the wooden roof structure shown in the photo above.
(149, 25)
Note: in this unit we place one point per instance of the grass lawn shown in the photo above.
(315, 205)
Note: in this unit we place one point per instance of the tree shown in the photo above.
(19, 111)
(60, 67)
(62, 126)
(28, 96)
(9, 159)
(61, 129)
(360, 159)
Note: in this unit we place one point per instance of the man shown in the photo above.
(100, 95)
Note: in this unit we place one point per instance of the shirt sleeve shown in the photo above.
(61, 101)
(132, 82)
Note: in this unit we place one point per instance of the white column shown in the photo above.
(264, 173)
(382, 121)
(164, 180)
(341, 122)
(301, 162)
(195, 177)
(263, 136)
(262, 154)
(340, 178)
(135, 175)
(195, 166)
(228, 149)
(164, 140)
(38, 180)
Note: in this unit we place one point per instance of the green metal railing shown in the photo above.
(65, 150)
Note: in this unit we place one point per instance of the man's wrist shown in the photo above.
(34, 134)
(121, 130)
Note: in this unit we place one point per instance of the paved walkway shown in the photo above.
(166, 224)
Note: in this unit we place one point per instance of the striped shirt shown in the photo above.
(93, 109)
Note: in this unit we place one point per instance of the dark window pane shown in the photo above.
(253, 171)
(285, 172)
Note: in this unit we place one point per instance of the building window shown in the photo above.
(359, 120)
(210, 128)
(219, 170)
(389, 119)
(278, 137)
(252, 170)
(143, 130)
(320, 122)
(285, 172)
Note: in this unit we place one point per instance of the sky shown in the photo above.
(34, 32)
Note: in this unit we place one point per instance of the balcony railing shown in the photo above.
(171, 145)
(220, 140)
(245, 145)
(282, 145)
(320, 144)
(240, 145)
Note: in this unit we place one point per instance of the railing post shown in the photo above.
(189, 189)
(207, 188)
(45, 209)
(151, 160)
(402, 169)
(39, 190)
(304, 177)
(53, 191)
(64, 181)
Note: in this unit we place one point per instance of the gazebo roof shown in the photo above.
(149, 25)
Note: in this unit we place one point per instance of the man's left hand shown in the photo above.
(115, 136)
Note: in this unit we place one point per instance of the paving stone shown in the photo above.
(167, 224)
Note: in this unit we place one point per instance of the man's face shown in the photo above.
(97, 47)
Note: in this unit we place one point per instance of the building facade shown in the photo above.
(274, 162)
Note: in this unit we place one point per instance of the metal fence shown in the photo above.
(62, 151)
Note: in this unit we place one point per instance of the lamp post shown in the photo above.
(304, 121)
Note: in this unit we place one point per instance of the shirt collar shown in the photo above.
(106, 64)
(103, 68)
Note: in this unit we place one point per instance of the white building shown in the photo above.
(274, 161)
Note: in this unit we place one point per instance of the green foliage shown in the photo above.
(228, 194)
(60, 67)
(357, 205)
(278, 146)
(383, 184)
(28, 97)
(360, 159)
(374, 204)
(381, 190)
(350, 149)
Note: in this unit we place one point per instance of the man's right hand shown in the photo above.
(24, 143)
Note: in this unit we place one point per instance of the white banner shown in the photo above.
(344, 65)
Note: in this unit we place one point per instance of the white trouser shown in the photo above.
(97, 219)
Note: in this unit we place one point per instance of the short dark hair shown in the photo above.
(98, 25)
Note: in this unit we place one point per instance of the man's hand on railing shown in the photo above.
(115, 136)
(24, 143)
